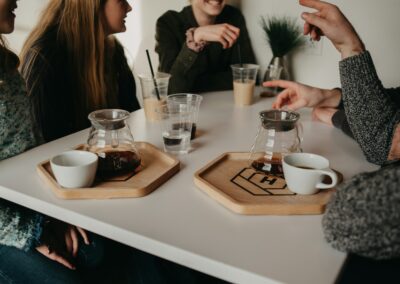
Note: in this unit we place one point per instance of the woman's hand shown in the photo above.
(296, 95)
(225, 34)
(323, 114)
(330, 21)
(60, 242)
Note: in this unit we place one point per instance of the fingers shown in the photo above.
(84, 235)
(280, 83)
(43, 249)
(62, 260)
(314, 20)
(233, 29)
(230, 35)
(282, 99)
(75, 242)
(315, 4)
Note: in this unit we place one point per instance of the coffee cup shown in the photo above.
(304, 173)
(74, 169)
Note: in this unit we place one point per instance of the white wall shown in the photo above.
(376, 21)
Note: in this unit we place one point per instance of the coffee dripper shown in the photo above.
(278, 135)
(111, 139)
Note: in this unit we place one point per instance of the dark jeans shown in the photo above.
(17, 266)
(103, 261)
(358, 269)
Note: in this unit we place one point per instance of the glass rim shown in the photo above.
(158, 75)
(178, 96)
(293, 115)
(244, 66)
(123, 115)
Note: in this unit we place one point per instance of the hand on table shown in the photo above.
(225, 34)
(323, 114)
(296, 95)
(60, 242)
(328, 20)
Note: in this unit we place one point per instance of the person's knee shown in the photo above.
(92, 255)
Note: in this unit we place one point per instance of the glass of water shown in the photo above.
(176, 130)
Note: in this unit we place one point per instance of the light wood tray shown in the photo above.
(229, 180)
(156, 168)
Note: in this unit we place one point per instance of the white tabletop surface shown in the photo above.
(181, 223)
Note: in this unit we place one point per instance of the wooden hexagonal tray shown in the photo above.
(232, 182)
(156, 168)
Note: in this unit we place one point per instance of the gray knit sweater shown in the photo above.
(19, 227)
(364, 215)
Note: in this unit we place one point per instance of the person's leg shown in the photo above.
(17, 266)
(147, 268)
(358, 269)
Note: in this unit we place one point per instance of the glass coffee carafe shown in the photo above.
(279, 134)
(111, 139)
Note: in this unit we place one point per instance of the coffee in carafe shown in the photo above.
(279, 134)
(111, 139)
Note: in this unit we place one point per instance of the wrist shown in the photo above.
(352, 49)
(192, 43)
(331, 98)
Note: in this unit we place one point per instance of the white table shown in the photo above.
(180, 223)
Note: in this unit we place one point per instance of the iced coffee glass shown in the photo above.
(244, 80)
(154, 92)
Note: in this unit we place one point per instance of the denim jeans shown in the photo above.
(17, 266)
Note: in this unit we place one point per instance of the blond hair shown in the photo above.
(78, 25)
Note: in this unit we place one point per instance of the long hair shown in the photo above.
(9, 61)
(80, 34)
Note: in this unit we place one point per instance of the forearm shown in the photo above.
(371, 113)
(184, 68)
(19, 227)
(363, 217)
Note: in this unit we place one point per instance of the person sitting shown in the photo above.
(32, 245)
(363, 217)
(198, 44)
(73, 64)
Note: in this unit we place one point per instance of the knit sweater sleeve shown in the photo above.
(364, 215)
(19, 226)
(371, 111)
(174, 55)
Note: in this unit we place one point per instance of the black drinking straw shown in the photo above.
(152, 74)
(241, 63)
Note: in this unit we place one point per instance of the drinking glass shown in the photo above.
(244, 80)
(190, 103)
(154, 92)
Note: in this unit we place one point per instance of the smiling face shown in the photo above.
(7, 16)
(209, 8)
(115, 12)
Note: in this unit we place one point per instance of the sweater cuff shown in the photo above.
(362, 69)
(339, 120)
(34, 240)
(186, 57)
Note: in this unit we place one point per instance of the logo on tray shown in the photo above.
(260, 184)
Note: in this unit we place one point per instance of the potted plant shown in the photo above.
(283, 35)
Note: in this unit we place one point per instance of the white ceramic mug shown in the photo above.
(74, 169)
(304, 173)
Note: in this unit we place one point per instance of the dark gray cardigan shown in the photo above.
(364, 215)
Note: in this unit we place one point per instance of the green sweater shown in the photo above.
(19, 227)
(208, 70)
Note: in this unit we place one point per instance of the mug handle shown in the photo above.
(332, 175)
